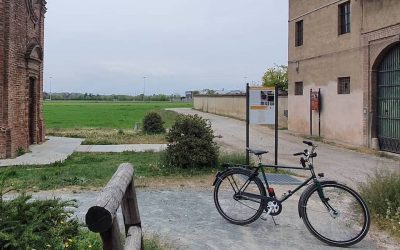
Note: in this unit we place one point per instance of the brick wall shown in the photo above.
(376, 44)
(21, 70)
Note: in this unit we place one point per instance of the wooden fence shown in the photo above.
(102, 217)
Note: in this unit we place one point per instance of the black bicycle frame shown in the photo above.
(285, 197)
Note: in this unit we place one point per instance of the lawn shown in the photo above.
(116, 115)
(92, 170)
(106, 122)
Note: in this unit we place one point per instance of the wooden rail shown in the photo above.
(102, 217)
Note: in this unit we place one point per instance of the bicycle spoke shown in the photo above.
(232, 185)
(233, 206)
(340, 221)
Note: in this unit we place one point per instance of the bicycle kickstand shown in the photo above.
(268, 213)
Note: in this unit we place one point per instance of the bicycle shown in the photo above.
(241, 198)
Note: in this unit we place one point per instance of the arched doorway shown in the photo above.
(388, 101)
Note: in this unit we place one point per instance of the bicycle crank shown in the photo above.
(273, 207)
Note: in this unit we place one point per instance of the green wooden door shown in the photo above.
(389, 102)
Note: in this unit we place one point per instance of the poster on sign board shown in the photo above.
(315, 101)
(262, 105)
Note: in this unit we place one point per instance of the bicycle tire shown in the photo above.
(351, 209)
(221, 198)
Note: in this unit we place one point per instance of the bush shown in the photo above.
(46, 224)
(37, 224)
(191, 144)
(153, 123)
(382, 194)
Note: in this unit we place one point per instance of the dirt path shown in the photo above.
(337, 163)
(187, 219)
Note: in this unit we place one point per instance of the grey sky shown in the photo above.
(103, 46)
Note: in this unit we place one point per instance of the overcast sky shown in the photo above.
(107, 47)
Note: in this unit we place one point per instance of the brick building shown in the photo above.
(350, 49)
(21, 74)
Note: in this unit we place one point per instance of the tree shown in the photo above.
(276, 75)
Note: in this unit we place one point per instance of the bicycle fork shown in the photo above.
(333, 212)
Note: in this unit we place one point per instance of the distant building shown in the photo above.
(236, 92)
(351, 51)
(188, 96)
(21, 75)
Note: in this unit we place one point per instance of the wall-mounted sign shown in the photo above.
(262, 105)
(315, 101)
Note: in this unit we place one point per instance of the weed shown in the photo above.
(20, 151)
(382, 194)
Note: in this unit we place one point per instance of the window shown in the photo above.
(343, 85)
(299, 33)
(298, 88)
(344, 18)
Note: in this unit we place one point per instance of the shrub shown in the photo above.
(40, 224)
(37, 224)
(153, 123)
(382, 194)
(191, 143)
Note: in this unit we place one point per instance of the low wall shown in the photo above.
(234, 106)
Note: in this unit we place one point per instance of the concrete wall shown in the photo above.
(325, 56)
(233, 106)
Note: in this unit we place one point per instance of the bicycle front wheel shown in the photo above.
(342, 219)
(234, 207)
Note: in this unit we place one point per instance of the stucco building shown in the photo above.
(351, 51)
(21, 74)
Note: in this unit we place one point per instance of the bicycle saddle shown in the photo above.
(257, 152)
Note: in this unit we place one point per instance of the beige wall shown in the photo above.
(234, 106)
(326, 55)
(380, 13)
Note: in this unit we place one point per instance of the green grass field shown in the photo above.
(106, 122)
(116, 115)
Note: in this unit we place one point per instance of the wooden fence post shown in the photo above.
(102, 218)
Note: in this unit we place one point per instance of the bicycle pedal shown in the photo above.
(264, 218)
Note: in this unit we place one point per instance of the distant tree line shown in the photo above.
(97, 97)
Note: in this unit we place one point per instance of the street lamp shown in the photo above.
(144, 86)
(50, 86)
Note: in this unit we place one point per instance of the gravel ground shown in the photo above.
(187, 219)
(337, 163)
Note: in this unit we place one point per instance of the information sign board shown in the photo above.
(262, 105)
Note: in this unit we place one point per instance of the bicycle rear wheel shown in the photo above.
(231, 205)
(343, 220)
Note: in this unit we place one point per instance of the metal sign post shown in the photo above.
(311, 112)
(319, 112)
(276, 123)
(261, 108)
(247, 123)
(315, 105)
